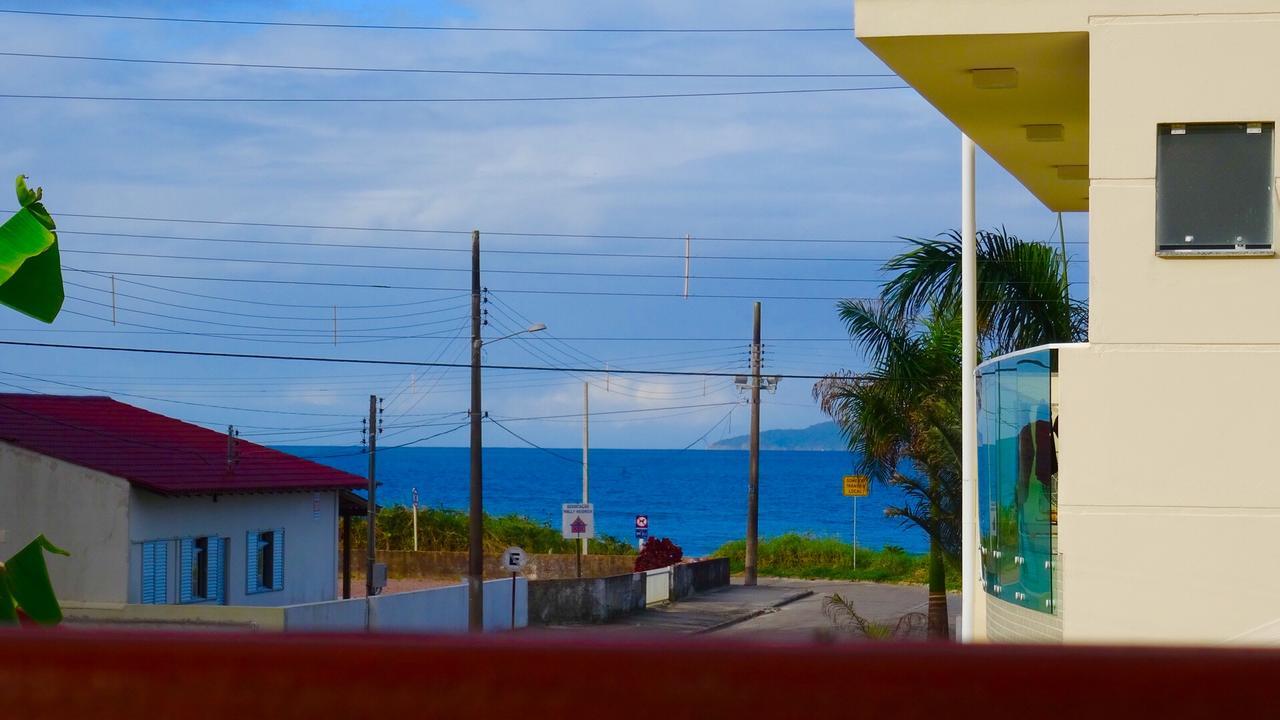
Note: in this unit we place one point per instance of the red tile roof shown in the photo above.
(159, 453)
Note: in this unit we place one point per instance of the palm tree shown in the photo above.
(1024, 297)
(906, 408)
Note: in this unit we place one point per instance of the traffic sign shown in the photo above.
(513, 559)
(642, 532)
(857, 485)
(642, 522)
(578, 520)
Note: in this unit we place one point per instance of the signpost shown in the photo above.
(513, 560)
(856, 486)
(642, 530)
(578, 521)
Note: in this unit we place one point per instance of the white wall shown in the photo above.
(436, 610)
(82, 511)
(310, 539)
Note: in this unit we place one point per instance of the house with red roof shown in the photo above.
(155, 510)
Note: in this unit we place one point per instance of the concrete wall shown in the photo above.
(310, 522)
(695, 577)
(592, 600)
(437, 610)
(1168, 509)
(172, 617)
(1142, 74)
(433, 563)
(82, 511)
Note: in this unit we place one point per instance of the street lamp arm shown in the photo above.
(536, 327)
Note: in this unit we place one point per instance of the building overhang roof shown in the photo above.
(1034, 121)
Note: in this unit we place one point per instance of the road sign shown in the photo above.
(857, 485)
(578, 520)
(513, 558)
(642, 532)
(642, 522)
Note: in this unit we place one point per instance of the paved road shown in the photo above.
(775, 610)
(804, 619)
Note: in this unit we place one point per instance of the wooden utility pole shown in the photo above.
(586, 443)
(753, 479)
(475, 536)
(369, 589)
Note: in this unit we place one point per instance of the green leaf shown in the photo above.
(30, 267)
(25, 195)
(8, 608)
(27, 580)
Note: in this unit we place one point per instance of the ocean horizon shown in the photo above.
(698, 498)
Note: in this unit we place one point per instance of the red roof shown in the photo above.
(159, 453)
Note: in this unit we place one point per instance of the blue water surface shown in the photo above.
(698, 498)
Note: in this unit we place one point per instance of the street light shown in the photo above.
(475, 518)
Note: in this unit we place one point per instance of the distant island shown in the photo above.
(823, 436)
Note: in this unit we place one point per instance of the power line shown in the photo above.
(422, 100)
(497, 271)
(375, 361)
(442, 71)
(432, 28)
(495, 233)
(486, 251)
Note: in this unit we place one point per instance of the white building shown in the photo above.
(158, 511)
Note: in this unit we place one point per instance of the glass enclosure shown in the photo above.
(1018, 476)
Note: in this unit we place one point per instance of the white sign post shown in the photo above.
(513, 559)
(578, 521)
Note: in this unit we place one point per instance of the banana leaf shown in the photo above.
(30, 267)
(25, 585)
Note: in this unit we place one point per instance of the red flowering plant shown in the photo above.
(658, 553)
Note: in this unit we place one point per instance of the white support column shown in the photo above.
(968, 402)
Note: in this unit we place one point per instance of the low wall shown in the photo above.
(176, 617)
(695, 577)
(594, 600)
(436, 610)
(436, 563)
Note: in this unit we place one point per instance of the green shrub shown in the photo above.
(445, 529)
(827, 558)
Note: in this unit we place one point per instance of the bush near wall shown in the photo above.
(445, 529)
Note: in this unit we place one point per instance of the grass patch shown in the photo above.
(444, 529)
(817, 558)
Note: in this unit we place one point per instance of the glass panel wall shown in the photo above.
(1017, 477)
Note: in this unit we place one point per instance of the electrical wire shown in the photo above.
(442, 100)
(440, 71)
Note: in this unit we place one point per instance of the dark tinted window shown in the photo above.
(1214, 186)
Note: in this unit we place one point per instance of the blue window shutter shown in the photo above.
(184, 570)
(277, 581)
(155, 572)
(251, 563)
(215, 568)
(162, 573)
(148, 573)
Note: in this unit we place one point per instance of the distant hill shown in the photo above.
(823, 436)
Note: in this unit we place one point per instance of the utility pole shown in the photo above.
(475, 544)
(415, 519)
(586, 442)
(753, 479)
(369, 589)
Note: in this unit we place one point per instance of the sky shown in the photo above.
(856, 169)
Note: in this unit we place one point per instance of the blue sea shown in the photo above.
(698, 498)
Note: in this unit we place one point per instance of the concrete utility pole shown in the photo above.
(369, 589)
(753, 479)
(968, 390)
(475, 538)
(586, 443)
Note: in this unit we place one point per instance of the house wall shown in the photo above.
(82, 511)
(1168, 508)
(1146, 70)
(310, 522)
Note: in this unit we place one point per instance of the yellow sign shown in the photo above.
(857, 485)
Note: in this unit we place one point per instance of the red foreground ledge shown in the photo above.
(64, 673)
